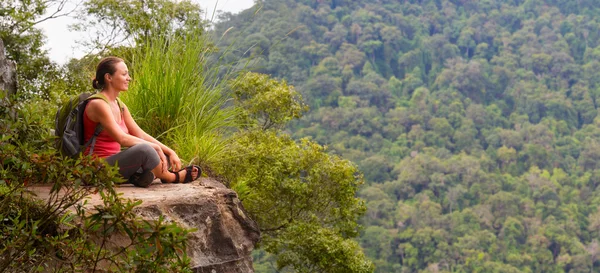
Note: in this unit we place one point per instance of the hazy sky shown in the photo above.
(61, 45)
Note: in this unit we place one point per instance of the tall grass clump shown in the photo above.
(179, 95)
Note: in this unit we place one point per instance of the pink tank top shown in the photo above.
(105, 145)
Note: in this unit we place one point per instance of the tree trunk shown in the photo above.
(8, 74)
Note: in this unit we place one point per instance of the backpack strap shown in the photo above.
(102, 97)
(92, 140)
(121, 105)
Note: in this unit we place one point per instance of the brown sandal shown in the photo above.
(188, 175)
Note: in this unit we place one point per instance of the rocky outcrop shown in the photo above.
(8, 73)
(225, 235)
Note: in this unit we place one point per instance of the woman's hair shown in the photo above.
(106, 65)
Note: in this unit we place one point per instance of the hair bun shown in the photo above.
(95, 84)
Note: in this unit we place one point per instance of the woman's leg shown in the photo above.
(140, 156)
(145, 157)
(169, 176)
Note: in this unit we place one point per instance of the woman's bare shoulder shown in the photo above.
(97, 104)
(96, 108)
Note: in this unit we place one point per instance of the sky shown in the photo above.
(61, 45)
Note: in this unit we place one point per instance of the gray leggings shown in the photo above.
(136, 159)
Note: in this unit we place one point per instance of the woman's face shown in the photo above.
(120, 79)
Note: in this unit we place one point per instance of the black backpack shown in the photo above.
(68, 125)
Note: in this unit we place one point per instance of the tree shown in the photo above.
(512, 232)
(134, 22)
(466, 42)
(324, 90)
(309, 248)
(302, 198)
(470, 78)
(503, 205)
(593, 249)
(506, 156)
(315, 52)
(265, 102)
(23, 42)
(350, 56)
(377, 240)
(376, 169)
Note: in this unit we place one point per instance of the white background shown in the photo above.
(61, 43)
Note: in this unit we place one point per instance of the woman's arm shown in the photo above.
(135, 130)
(101, 112)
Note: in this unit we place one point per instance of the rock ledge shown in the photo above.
(225, 235)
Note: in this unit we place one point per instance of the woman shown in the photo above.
(146, 157)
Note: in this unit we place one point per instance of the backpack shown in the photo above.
(68, 125)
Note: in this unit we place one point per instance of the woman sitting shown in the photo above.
(146, 157)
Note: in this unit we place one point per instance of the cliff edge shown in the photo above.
(225, 235)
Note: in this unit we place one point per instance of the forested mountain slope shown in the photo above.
(475, 122)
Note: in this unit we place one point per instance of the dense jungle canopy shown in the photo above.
(475, 123)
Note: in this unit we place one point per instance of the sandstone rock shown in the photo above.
(225, 235)
(8, 73)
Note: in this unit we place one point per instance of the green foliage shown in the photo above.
(291, 189)
(302, 198)
(300, 179)
(137, 21)
(308, 248)
(23, 43)
(265, 102)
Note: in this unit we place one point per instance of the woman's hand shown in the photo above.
(163, 159)
(175, 161)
